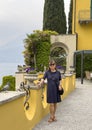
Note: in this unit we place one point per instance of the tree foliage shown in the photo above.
(38, 44)
(43, 53)
(54, 17)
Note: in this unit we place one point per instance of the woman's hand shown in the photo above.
(40, 83)
(60, 87)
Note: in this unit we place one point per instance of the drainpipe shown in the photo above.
(90, 9)
(74, 4)
(75, 24)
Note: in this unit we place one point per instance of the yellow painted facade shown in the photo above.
(81, 11)
(13, 115)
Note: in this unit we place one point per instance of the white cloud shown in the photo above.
(21, 10)
(18, 17)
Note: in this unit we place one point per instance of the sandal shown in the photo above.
(54, 119)
(50, 120)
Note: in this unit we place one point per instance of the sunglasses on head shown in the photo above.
(52, 64)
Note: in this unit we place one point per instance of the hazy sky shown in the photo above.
(19, 17)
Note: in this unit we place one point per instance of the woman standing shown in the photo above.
(53, 85)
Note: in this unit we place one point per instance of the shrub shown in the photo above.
(9, 79)
(33, 72)
(86, 66)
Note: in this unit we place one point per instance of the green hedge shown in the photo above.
(9, 79)
(87, 66)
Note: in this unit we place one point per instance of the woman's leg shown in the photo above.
(53, 107)
(52, 111)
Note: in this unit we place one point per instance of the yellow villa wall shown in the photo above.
(13, 116)
(84, 31)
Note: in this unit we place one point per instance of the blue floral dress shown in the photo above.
(53, 80)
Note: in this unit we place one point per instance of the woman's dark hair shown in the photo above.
(52, 62)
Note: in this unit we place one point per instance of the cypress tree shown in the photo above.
(54, 16)
(70, 18)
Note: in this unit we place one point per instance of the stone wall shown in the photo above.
(68, 43)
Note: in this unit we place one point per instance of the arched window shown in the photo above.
(59, 55)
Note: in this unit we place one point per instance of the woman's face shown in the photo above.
(52, 66)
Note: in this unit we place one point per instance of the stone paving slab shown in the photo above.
(74, 112)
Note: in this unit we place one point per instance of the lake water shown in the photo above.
(8, 69)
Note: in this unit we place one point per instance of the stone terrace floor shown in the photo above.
(74, 112)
